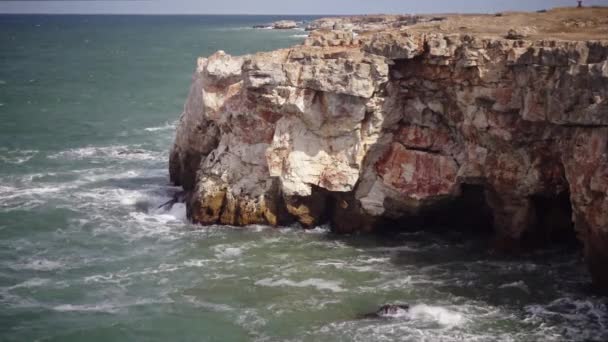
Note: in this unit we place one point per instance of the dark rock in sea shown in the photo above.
(389, 311)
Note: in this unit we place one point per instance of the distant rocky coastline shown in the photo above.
(280, 25)
(492, 121)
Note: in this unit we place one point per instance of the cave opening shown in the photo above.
(467, 214)
(553, 222)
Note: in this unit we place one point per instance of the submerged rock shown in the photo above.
(389, 311)
(395, 124)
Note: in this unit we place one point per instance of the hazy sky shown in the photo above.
(279, 6)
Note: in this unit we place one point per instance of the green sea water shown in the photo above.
(88, 106)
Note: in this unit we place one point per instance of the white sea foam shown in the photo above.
(208, 305)
(439, 314)
(228, 252)
(102, 278)
(299, 36)
(374, 260)
(587, 319)
(104, 307)
(324, 229)
(33, 282)
(394, 249)
(336, 264)
(176, 214)
(517, 284)
(257, 227)
(127, 275)
(107, 307)
(167, 126)
(39, 265)
(16, 156)
(12, 192)
(178, 211)
(133, 152)
(320, 284)
(196, 263)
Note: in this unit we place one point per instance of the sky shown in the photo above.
(279, 6)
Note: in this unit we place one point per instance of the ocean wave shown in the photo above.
(16, 156)
(299, 36)
(127, 274)
(348, 266)
(319, 284)
(106, 307)
(44, 265)
(516, 284)
(175, 214)
(228, 252)
(133, 152)
(396, 249)
(167, 126)
(324, 229)
(13, 194)
(31, 283)
(196, 263)
(374, 260)
(207, 305)
(96, 188)
(438, 314)
(584, 319)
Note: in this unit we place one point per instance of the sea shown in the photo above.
(88, 108)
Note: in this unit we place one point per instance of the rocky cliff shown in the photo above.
(451, 118)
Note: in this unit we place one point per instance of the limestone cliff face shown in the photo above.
(364, 129)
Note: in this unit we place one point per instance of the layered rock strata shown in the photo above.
(360, 130)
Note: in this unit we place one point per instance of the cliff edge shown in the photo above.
(379, 120)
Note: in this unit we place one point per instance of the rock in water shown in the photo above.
(391, 311)
(400, 121)
(284, 25)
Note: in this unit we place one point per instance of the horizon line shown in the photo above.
(265, 14)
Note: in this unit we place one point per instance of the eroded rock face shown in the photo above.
(359, 129)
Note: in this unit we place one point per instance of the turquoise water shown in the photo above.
(88, 106)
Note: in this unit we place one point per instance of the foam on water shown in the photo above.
(125, 152)
(319, 284)
(39, 265)
(31, 283)
(583, 319)
(207, 305)
(438, 314)
(169, 126)
(517, 284)
(105, 307)
(16, 156)
(175, 213)
(228, 252)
